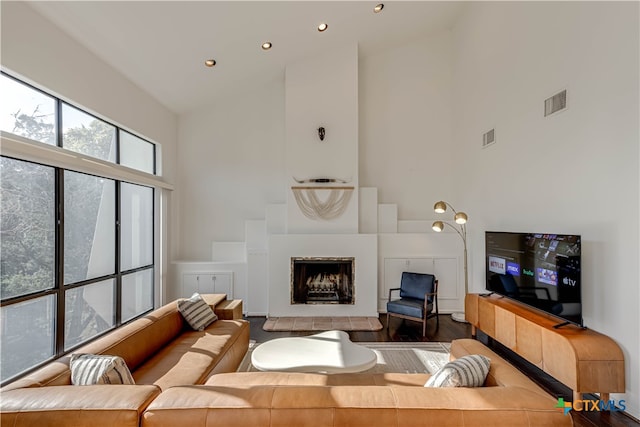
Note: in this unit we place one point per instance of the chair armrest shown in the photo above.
(95, 405)
(426, 296)
(434, 293)
(391, 290)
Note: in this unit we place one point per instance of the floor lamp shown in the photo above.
(460, 219)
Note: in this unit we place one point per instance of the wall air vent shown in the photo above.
(556, 103)
(488, 138)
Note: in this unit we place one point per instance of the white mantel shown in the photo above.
(363, 247)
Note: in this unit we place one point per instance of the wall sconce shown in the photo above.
(460, 219)
(321, 133)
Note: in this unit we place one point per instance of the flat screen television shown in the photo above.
(540, 270)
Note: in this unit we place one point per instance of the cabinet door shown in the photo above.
(222, 284)
(446, 271)
(206, 283)
(189, 284)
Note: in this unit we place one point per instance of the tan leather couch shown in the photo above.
(161, 351)
(508, 399)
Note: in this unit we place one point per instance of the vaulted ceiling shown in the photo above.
(162, 45)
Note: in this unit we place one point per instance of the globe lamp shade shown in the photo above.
(438, 226)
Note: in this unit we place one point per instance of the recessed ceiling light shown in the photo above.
(266, 45)
(322, 27)
(210, 62)
(378, 8)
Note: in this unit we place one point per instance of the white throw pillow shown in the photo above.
(90, 369)
(467, 371)
(196, 312)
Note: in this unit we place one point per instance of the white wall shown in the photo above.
(404, 149)
(573, 172)
(232, 165)
(323, 91)
(405, 125)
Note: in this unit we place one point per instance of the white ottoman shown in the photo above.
(328, 352)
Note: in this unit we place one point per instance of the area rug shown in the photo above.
(393, 357)
(273, 324)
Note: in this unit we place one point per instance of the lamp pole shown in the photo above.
(461, 220)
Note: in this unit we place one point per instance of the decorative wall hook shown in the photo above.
(321, 133)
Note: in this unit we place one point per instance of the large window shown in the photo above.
(38, 116)
(77, 250)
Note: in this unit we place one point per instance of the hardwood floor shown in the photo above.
(447, 331)
(400, 331)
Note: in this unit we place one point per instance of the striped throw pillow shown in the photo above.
(196, 312)
(89, 369)
(467, 371)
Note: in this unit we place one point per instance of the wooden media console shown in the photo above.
(584, 360)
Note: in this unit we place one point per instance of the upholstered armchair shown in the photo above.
(418, 300)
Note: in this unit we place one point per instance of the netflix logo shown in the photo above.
(497, 265)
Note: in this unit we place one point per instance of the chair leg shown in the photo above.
(388, 321)
(424, 327)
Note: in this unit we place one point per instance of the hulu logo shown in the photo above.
(527, 272)
(590, 405)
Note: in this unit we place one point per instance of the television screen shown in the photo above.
(541, 270)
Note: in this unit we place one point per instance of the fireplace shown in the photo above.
(322, 280)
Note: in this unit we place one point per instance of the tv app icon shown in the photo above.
(568, 281)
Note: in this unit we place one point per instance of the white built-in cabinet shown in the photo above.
(444, 268)
(207, 283)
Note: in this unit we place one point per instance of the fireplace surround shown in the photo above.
(322, 280)
(362, 247)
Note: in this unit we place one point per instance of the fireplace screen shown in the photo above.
(322, 280)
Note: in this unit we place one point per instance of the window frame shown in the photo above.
(59, 288)
(59, 131)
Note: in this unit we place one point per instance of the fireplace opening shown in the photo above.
(322, 280)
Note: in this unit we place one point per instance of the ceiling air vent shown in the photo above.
(556, 103)
(488, 138)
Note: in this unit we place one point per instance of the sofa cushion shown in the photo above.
(501, 372)
(68, 405)
(191, 357)
(408, 306)
(346, 406)
(244, 379)
(467, 371)
(135, 342)
(89, 369)
(196, 312)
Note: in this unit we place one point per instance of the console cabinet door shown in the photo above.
(190, 285)
(207, 283)
(223, 284)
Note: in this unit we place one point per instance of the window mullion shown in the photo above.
(59, 249)
(118, 286)
(59, 257)
(59, 123)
